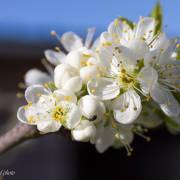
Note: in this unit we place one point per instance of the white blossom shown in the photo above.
(160, 77)
(84, 131)
(118, 74)
(49, 111)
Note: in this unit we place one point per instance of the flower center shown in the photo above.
(84, 60)
(59, 114)
(125, 79)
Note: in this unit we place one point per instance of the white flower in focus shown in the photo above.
(93, 110)
(139, 38)
(91, 107)
(85, 61)
(79, 56)
(160, 77)
(67, 77)
(84, 131)
(80, 67)
(71, 42)
(119, 74)
(49, 111)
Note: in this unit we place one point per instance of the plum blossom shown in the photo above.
(49, 111)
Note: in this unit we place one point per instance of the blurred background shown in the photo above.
(25, 27)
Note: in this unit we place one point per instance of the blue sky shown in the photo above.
(33, 19)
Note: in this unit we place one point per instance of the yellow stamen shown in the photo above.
(68, 98)
(28, 106)
(59, 114)
(87, 55)
(31, 119)
(116, 22)
(92, 90)
(106, 44)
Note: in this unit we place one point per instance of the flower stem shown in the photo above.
(18, 134)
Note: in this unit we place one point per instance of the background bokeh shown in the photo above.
(25, 27)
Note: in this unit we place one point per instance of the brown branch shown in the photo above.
(22, 132)
(16, 135)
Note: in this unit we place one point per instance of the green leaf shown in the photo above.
(178, 52)
(172, 123)
(127, 21)
(158, 15)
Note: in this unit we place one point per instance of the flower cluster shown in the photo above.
(105, 92)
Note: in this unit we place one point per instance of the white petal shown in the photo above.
(104, 88)
(120, 31)
(35, 76)
(74, 84)
(145, 28)
(166, 54)
(95, 44)
(88, 72)
(110, 63)
(27, 115)
(126, 136)
(105, 55)
(89, 37)
(159, 94)
(151, 58)
(148, 118)
(33, 93)
(91, 106)
(172, 107)
(21, 115)
(138, 47)
(84, 131)
(73, 117)
(54, 57)
(65, 95)
(127, 107)
(147, 78)
(105, 139)
(71, 41)
(63, 73)
(127, 57)
(115, 28)
(48, 125)
(106, 38)
(161, 42)
(74, 59)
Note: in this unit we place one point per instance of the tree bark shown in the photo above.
(22, 132)
(19, 133)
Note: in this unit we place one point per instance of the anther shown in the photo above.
(57, 49)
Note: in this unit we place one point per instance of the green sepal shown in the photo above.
(158, 15)
(127, 21)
